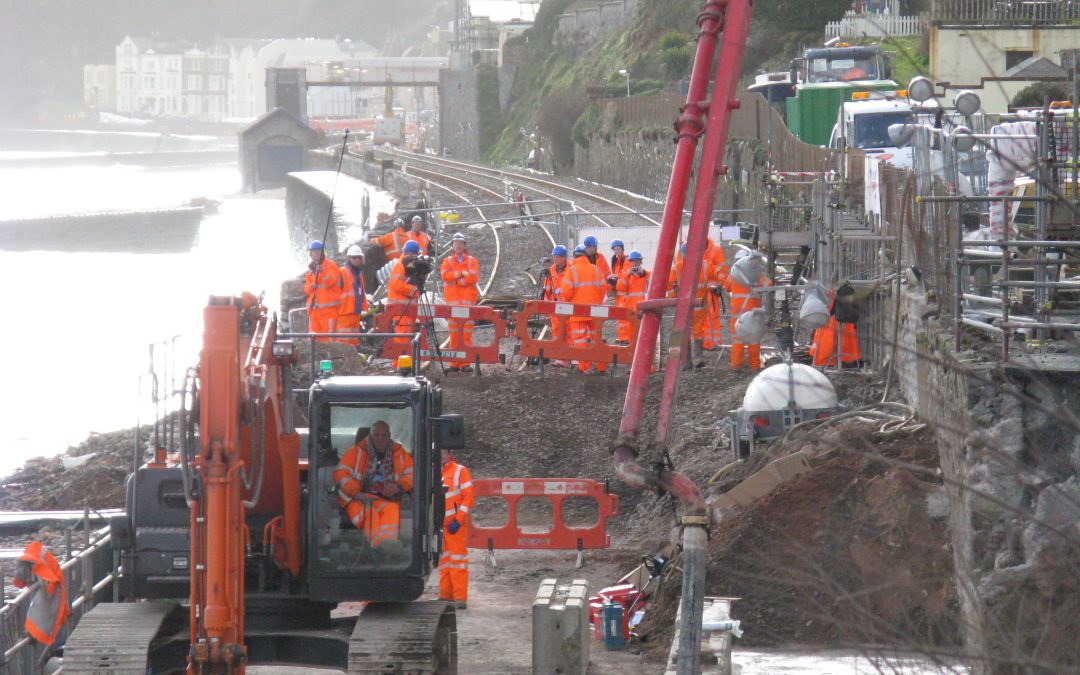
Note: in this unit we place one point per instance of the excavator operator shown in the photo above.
(371, 478)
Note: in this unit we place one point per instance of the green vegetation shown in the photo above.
(554, 89)
(1039, 94)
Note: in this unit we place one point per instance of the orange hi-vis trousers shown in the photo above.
(454, 566)
(379, 521)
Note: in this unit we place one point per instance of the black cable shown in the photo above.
(333, 192)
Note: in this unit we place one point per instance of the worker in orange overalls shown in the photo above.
(417, 234)
(461, 279)
(48, 607)
(582, 284)
(717, 265)
(354, 300)
(591, 244)
(454, 563)
(743, 300)
(371, 477)
(398, 288)
(823, 348)
(393, 241)
(630, 290)
(323, 287)
(619, 266)
(552, 277)
(696, 357)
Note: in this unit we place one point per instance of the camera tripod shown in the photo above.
(425, 319)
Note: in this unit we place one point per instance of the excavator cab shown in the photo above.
(391, 548)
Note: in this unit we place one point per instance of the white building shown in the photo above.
(148, 77)
(99, 87)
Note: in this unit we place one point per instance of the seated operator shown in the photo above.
(371, 477)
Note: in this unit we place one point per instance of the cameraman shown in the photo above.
(402, 285)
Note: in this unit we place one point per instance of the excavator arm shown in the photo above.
(246, 463)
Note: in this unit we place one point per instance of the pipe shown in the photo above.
(981, 325)
(734, 17)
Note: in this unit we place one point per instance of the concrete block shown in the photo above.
(560, 627)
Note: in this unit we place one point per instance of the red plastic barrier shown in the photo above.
(561, 536)
(558, 348)
(393, 348)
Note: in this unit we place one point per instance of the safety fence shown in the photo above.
(1004, 12)
(559, 535)
(422, 316)
(87, 574)
(408, 318)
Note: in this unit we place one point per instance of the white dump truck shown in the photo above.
(864, 123)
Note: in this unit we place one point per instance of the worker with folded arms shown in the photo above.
(582, 284)
(323, 286)
(454, 563)
(371, 478)
(461, 286)
(354, 302)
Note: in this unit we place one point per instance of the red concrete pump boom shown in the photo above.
(732, 17)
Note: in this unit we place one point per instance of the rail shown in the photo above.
(86, 574)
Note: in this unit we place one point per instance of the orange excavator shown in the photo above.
(233, 547)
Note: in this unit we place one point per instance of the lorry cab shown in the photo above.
(864, 124)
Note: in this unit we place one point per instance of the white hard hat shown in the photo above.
(417, 219)
(741, 253)
(355, 250)
(458, 236)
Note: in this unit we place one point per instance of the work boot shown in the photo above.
(697, 354)
(461, 604)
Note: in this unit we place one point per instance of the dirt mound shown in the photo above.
(846, 554)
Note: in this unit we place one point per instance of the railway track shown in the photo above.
(532, 185)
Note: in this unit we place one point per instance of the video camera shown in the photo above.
(418, 269)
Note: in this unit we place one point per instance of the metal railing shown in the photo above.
(86, 574)
(1005, 12)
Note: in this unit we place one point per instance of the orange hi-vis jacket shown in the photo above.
(392, 242)
(631, 288)
(742, 299)
(703, 278)
(619, 264)
(398, 287)
(459, 493)
(461, 279)
(602, 265)
(49, 607)
(354, 295)
(717, 262)
(358, 471)
(583, 283)
(421, 238)
(553, 286)
(324, 288)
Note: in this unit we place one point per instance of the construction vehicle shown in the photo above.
(826, 77)
(864, 123)
(234, 550)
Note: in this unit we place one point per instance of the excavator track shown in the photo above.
(117, 638)
(413, 637)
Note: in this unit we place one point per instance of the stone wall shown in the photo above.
(579, 30)
(459, 118)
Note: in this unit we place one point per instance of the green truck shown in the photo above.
(825, 78)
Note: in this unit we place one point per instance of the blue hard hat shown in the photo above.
(559, 250)
(682, 249)
(617, 242)
(591, 241)
(635, 255)
(580, 250)
(315, 246)
(411, 247)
